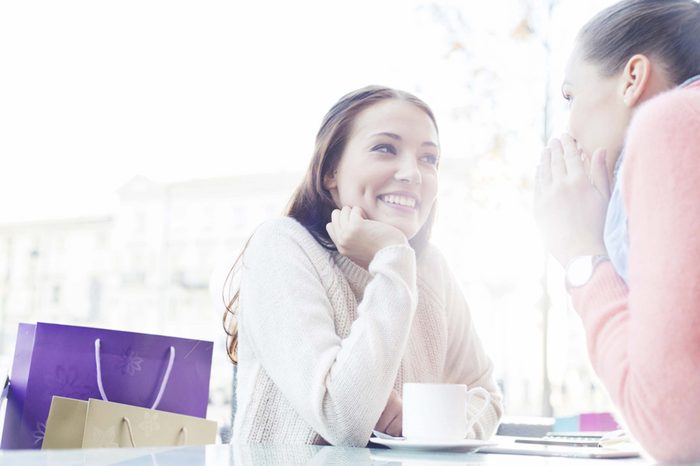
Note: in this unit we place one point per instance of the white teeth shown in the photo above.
(399, 200)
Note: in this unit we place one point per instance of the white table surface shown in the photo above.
(229, 455)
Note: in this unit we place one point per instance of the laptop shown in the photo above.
(568, 451)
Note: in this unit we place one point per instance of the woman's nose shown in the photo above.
(408, 171)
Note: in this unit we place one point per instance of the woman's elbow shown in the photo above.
(347, 438)
(674, 447)
(344, 430)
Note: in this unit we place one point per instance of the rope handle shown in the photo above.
(128, 429)
(163, 384)
(125, 420)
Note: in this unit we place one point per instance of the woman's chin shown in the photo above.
(408, 230)
(407, 226)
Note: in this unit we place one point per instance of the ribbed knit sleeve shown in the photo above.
(645, 343)
(339, 387)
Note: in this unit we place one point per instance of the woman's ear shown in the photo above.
(635, 79)
(329, 181)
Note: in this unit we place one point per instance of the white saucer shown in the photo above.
(434, 445)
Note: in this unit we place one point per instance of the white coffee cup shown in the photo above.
(433, 411)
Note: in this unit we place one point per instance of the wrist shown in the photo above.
(389, 245)
(580, 269)
(395, 240)
(593, 250)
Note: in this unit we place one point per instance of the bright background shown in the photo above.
(142, 141)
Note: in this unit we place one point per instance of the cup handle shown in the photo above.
(487, 401)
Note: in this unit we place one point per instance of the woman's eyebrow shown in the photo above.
(398, 138)
(385, 133)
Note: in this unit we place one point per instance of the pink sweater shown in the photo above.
(644, 342)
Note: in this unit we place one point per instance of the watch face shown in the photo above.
(579, 271)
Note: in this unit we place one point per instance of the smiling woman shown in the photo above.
(343, 301)
(391, 175)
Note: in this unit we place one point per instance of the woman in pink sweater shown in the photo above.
(618, 203)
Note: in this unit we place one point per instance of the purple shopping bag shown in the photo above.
(153, 371)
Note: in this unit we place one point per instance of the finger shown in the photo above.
(335, 216)
(345, 216)
(586, 159)
(395, 426)
(384, 420)
(540, 185)
(572, 159)
(544, 170)
(358, 214)
(557, 153)
(330, 228)
(599, 172)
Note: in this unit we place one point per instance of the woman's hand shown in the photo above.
(358, 238)
(391, 420)
(571, 201)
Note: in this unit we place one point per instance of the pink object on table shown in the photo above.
(597, 422)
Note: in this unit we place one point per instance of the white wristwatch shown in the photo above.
(580, 269)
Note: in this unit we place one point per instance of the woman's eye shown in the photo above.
(385, 148)
(430, 159)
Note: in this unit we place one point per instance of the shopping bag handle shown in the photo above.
(162, 384)
(126, 421)
(5, 389)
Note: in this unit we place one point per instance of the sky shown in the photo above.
(93, 93)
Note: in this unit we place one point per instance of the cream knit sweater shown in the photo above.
(322, 341)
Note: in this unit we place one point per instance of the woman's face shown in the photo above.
(389, 166)
(598, 116)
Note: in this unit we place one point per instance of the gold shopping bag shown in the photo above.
(109, 424)
(65, 424)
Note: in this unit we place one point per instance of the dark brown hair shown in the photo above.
(312, 204)
(668, 30)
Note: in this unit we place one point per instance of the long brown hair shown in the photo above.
(312, 204)
(668, 30)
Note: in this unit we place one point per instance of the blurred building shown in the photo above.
(53, 270)
(145, 268)
(158, 262)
